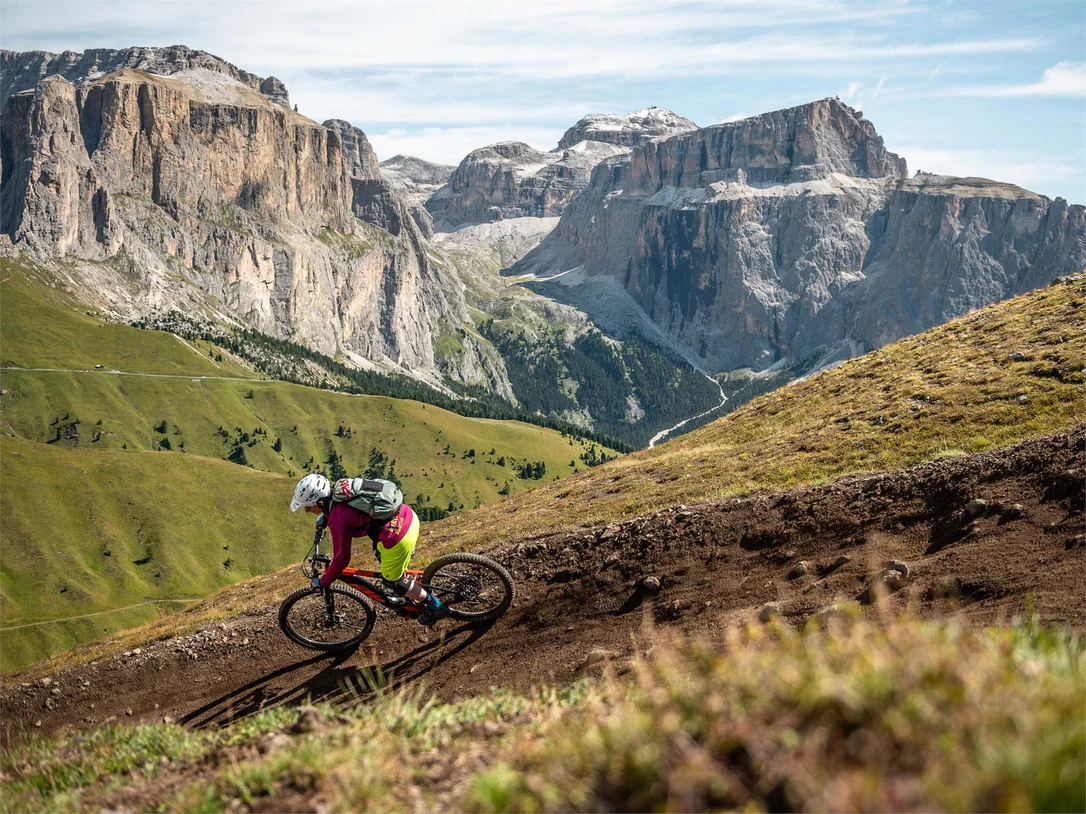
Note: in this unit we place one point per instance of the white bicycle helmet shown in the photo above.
(309, 490)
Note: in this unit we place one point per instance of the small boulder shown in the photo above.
(768, 612)
(976, 507)
(273, 742)
(800, 569)
(1013, 512)
(1017, 356)
(651, 584)
(899, 566)
(596, 656)
(824, 615)
(166, 719)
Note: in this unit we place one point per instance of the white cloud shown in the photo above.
(561, 39)
(1003, 165)
(1063, 79)
(448, 145)
(735, 117)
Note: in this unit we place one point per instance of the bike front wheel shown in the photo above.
(328, 619)
(475, 588)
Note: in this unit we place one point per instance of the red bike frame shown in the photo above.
(359, 579)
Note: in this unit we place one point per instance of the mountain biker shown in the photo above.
(393, 542)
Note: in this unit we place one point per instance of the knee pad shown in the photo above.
(408, 587)
(400, 586)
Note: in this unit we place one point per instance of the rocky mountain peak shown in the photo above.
(358, 156)
(797, 144)
(630, 130)
(416, 170)
(22, 70)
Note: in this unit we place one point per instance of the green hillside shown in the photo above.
(206, 433)
(41, 326)
(89, 531)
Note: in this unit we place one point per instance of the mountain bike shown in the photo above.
(341, 616)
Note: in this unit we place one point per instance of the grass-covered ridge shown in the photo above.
(914, 715)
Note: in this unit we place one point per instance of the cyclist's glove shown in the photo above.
(322, 521)
(316, 582)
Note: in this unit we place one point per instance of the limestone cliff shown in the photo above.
(796, 235)
(206, 194)
(513, 180)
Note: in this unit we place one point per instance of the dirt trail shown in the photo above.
(978, 532)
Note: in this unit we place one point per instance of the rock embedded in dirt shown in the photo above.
(800, 569)
(597, 656)
(768, 612)
(651, 584)
(899, 566)
(1017, 356)
(1009, 513)
(273, 742)
(976, 507)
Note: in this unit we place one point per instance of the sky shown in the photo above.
(995, 89)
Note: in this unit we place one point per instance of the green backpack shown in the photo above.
(377, 497)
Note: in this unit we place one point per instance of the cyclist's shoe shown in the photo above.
(393, 600)
(433, 610)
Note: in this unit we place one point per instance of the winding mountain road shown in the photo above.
(660, 436)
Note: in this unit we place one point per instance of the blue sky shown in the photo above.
(996, 89)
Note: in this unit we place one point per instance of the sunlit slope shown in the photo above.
(1008, 372)
(41, 326)
(92, 531)
(432, 448)
(954, 389)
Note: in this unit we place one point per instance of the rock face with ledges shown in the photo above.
(796, 235)
(204, 193)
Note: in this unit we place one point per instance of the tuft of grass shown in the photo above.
(918, 715)
(909, 715)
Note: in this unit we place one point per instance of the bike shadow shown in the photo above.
(342, 681)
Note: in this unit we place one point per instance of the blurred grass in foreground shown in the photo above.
(913, 715)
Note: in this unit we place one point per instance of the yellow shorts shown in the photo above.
(394, 560)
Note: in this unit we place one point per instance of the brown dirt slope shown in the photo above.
(982, 532)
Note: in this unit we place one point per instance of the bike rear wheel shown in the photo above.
(475, 588)
(328, 619)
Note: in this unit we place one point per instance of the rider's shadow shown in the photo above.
(410, 667)
(338, 683)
